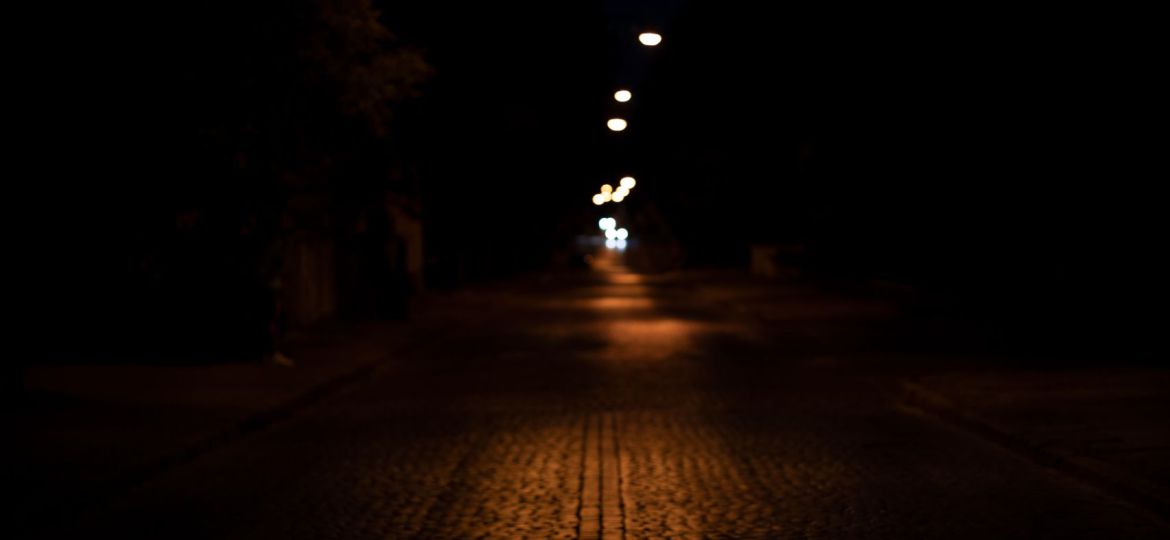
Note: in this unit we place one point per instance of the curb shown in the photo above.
(1100, 476)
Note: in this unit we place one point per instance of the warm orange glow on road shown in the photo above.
(619, 303)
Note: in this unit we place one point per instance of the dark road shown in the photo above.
(618, 405)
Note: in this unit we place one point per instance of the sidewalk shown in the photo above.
(1109, 428)
(86, 430)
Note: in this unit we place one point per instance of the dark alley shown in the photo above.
(613, 269)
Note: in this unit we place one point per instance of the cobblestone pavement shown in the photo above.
(620, 406)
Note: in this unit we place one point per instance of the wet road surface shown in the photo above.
(618, 405)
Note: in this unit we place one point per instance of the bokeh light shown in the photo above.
(650, 39)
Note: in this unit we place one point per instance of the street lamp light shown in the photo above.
(628, 183)
(616, 124)
(650, 39)
(622, 96)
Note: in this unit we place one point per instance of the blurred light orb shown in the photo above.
(622, 233)
(606, 188)
(606, 224)
(650, 39)
(611, 243)
(606, 196)
(611, 234)
(619, 196)
(628, 183)
(622, 96)
(620, 244)
(616, 124)
(598, 199)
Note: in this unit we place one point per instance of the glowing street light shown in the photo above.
(616, 124)
(606, 188)
(622, 96)
(628, 183)
(650, 39)
(622, 233)
(607, 224)
(598, 199)
(619, 196)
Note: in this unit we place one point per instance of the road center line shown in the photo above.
(602, 514)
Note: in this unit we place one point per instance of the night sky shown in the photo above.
(930, 145)
(974, 149)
